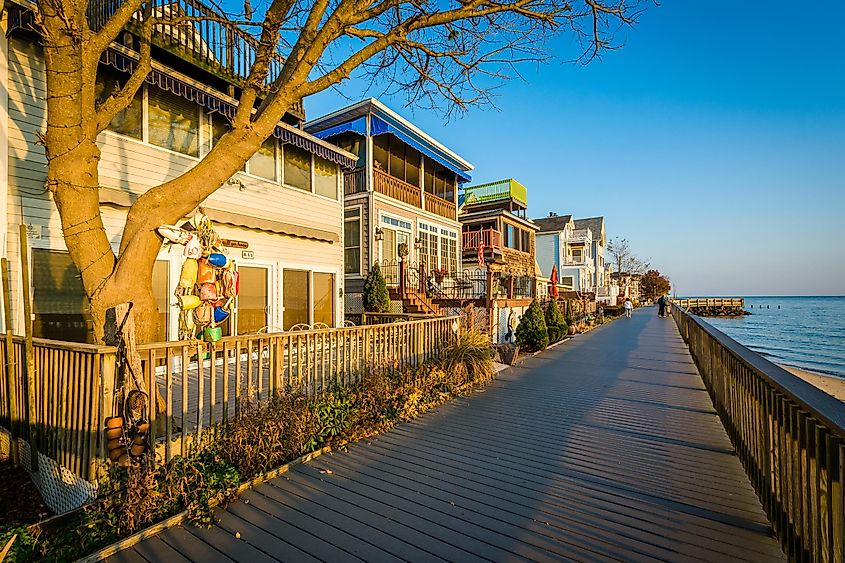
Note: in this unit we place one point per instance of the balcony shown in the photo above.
(573, 261)
(400, 190)
(212, 42)
(355, 182)
(496, 191)
(580, 236)
(489, 238)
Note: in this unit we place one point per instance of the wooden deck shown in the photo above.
(605, 448)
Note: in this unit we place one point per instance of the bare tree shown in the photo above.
(452, 51)
(624, 258)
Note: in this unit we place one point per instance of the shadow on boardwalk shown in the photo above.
(605, 448)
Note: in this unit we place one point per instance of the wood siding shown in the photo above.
(134, 167)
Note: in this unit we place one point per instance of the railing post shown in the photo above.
(106, 384)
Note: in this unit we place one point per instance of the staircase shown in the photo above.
(415, 302)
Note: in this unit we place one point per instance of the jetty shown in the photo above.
(713, 306)
(643, 439)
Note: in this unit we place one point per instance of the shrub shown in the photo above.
(469, 359)
(376, 298)
(555, 322)
(568, 318)
(532, 333)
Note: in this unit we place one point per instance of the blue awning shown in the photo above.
(379, 126)
(356, 126)
(285, 133)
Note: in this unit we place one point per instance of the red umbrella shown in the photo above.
(553, 282)
(481, 255)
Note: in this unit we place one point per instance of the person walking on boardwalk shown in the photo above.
(629, 307)
(661, 306)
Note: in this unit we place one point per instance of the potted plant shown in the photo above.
(439, 274)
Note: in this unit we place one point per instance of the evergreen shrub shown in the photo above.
(555, 322)
(532, 333)
(376, 297)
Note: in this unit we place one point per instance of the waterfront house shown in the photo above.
(562, 245)
(599, 240)
(282, 216)
(499, 249)
(628, 284)
(401, 198)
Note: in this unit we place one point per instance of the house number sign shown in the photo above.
(248, 254)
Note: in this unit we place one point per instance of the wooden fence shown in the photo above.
(201, 383)
(789, 435)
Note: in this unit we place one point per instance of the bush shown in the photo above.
(376, 297)
(532, 333)
(469, 359)
(568, 318)
(555, 322)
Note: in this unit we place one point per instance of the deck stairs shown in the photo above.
(414, 301)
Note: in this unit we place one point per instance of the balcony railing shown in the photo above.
(402, 191)
(494, 191)
(201, 34)
(355, 182)
(570, 261)
(581, 235)
(490, 238)
(440, 206)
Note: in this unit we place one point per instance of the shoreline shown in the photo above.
(830, 384)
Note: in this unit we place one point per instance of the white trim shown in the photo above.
(416, 211)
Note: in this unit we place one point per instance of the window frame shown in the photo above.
(359, 218)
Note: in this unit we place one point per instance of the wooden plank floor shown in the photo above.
(605, 448)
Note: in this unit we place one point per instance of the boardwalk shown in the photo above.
(605, 448)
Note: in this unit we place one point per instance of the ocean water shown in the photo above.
(803, 332)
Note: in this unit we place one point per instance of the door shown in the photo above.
(296, 298)
(253, 299)
(390, 254)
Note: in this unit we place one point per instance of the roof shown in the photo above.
(595, 224)
(358, 111)
(555, 223)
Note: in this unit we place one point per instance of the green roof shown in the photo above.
(501, 189)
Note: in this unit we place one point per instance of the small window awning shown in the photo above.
(120, 198)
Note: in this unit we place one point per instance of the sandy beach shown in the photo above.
(831, 385)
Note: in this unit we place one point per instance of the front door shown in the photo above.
(253, 299)
(390, 254)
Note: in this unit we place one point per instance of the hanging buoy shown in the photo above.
(188, 276)
(188, 302)
(172, 233)
(217, 260)
(205, 274)
(193, 248)
(220, 314)
(208, 292)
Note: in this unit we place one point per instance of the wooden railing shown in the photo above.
(203, 35)
(490, 238)
(789, 435)
(724, 302)
(61, 418)
(397, 189)
(355, 182)
(201, 384)
(440, 206)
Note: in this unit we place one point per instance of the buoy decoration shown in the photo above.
(208, 282)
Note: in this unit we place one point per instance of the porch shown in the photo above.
(383, 183)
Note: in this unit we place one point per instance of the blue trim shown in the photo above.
(383, 124)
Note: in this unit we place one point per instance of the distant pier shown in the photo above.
(713, 306)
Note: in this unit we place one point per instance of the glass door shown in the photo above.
(390, 254)
(295, 298)
(253, 299)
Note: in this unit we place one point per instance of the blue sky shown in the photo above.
(714, 141)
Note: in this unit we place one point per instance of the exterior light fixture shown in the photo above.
(379, 234)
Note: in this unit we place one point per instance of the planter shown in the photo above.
(508, 353)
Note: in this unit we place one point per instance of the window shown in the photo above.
(219, 125)
(412, 166)
(130, 121)
(173, 122)
(323, 298)
(325, 177)
(350, 142)
(429, 250)
(59, 304)
(450, 254)
(297, 168)
(352, 242)
(381, 153)
(295, 298)
(576, 254)
(263, 163)
(396, 222)
(566, 281)
(510, 237)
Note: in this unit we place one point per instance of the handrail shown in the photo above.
(789, 435)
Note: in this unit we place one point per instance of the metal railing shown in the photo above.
(201, 33)
(493, 191)
(789, 435)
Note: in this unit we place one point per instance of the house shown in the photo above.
(282, 217)
(599, 241)
(629, 285)
(562, 245)
(400, 204)
(499, 248)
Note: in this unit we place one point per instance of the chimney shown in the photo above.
(552, 214)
